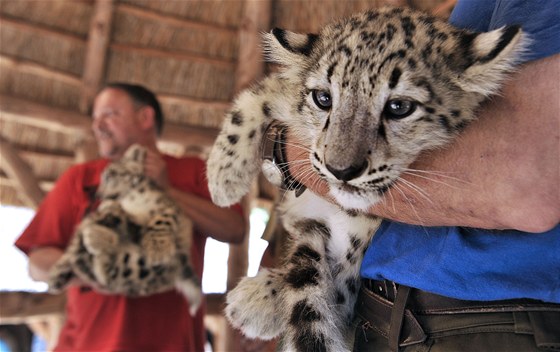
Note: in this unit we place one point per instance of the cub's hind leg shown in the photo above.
(101, 229)
(187, 282)
(158, 240)
(254, 305)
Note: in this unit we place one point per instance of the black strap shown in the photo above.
(93, 200)
(397, 317)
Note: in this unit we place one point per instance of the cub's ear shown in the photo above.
(285, 47)
(491, 56)
(135, 152)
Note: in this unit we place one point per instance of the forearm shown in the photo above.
(222, 224)
(41, 261)
(502, 172)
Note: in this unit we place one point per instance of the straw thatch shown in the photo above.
(55, 54)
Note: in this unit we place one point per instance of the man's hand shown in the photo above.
(156, 168)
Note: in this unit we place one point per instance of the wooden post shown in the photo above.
(86, 150)
(21, 173)
(256, 19)
(96, 52)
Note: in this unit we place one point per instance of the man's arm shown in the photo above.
(502, 172)
(222, 224)
(41, 261)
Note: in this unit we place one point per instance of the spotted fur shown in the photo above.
(136, 243)
(366, 96)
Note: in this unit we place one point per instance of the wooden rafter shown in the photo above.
(39, 115)
(256, 19)
(38, 29)
(194, 102)
(96, 52)
(20, 172)
(151, 52)
(26, 66)
(45, 186)
(186, 24)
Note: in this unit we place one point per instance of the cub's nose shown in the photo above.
(349, 173)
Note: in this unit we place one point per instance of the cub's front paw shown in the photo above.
(158, 248)
(254, 308)
(60, 275)
(99, 239)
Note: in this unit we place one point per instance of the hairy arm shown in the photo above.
(222, 224)
(502, 172)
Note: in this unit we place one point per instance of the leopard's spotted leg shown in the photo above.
(254, 305)
(60, 275)
(296, 301)
(313, 321)
(323, 272)
(158, 240)
(187, 282)
(100, 230)
(230, 178)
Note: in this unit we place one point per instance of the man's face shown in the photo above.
(116, 122)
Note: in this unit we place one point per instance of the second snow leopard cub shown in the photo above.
(365, 96)
(136, 243)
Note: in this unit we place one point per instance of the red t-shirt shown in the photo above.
(97, 322)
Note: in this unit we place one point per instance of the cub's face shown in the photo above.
(372, 92)
(122, 175)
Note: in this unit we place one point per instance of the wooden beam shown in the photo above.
(59, 120)
(183, 23)
(18, 170)
(256, 19)
(26, 66)
(86, 150)
(45, 186)
(41, 30)
(221, 63)
(188, 135)
(43, 116)
(195, 103)
(96, 52)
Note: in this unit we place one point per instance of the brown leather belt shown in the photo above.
(406, 316)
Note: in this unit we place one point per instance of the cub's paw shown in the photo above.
(158, 248)
(228, 182)
(59, 276)
(99, 239)
(192, 291)
(254, 308)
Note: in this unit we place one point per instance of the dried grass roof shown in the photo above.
(185, 51)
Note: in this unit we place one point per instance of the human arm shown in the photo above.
(502, 172)
(41, 261)
(222, 224)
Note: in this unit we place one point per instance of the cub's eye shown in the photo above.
(322, 99)
(399, 109)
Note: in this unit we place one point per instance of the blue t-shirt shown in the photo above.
(468, 263)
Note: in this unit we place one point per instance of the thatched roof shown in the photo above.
(195, 54)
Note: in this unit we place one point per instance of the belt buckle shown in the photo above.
(386, 289)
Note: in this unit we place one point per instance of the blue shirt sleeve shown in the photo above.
(539, 19)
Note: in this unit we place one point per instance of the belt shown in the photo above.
(405, 316)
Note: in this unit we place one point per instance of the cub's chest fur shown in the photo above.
(364, 97)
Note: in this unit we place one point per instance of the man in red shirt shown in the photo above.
(124, 114)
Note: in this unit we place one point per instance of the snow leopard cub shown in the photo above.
(365, 96)
(136, 243)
